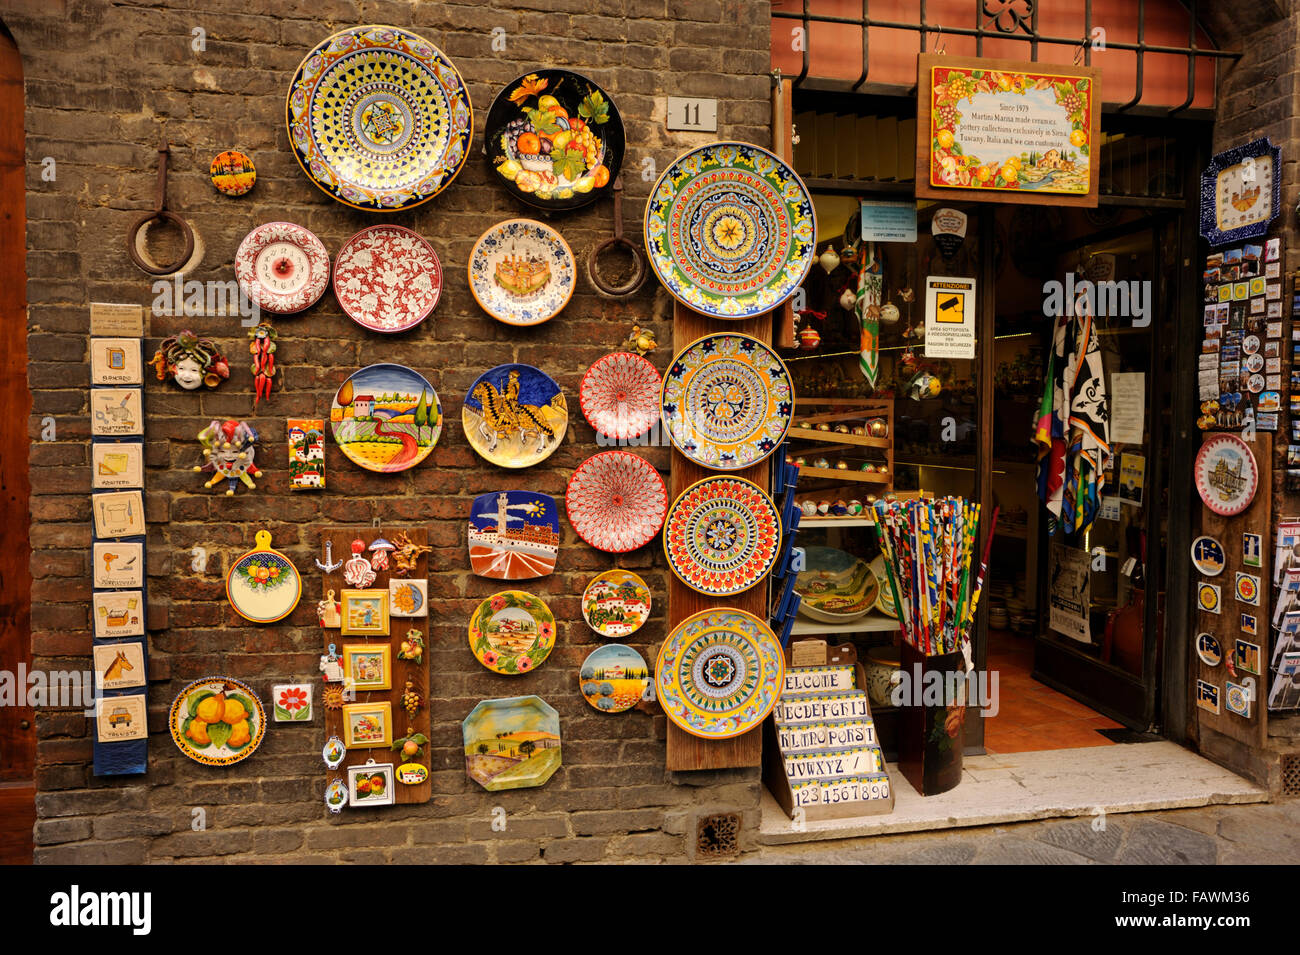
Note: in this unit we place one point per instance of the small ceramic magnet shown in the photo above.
(233, 173)
(292, 702)
(336, 795)
(333, 752)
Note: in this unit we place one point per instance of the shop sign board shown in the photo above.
(1006, 131)
(949, 317)
(1069, 597)
(888, 221)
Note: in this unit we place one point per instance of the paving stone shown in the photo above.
(1018, 851)
(1081, 838)
(1150, 842)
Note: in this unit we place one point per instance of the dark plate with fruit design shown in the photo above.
(555, 139)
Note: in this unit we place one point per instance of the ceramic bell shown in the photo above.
(228, 450)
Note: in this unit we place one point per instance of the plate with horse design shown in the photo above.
(515, 415)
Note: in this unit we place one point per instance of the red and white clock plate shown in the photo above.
(619, 395)
(387, 278)
(616, 501)
(1226, 474)
(282, 267)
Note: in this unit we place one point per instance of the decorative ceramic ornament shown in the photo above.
(616, 603)
(555, 139)
(368, 725)
(282, 267)
(809, 338)
(1241, 192)
(387, 278)
(835, 586)
(889, 314)
(848, 299)
(190, 361)
(412, 701)
(379, 550)
(233, 173)
(722, 536)
(1208, 649)
(829, 260)
(616, 501)
(119, 613)
(613, 678)
(522, 272)
(291, 702)
(1209, 598)
(641, 340)
(217, 721)
(514, 416)
(727, 400)
(1236, 697)
(1246, 587)
(408, 598)
(512, 632)
(333, 752)
(370, 784)
(336, 795)
(719, 673)
(262, 346)
(513, 535)
(379, 118)
(730, 230)
(412, 774)
(331, 664)
(306, 454)
(263, 585)
(358, 570)
(406, 554)
(412, 647)
(512, 743)
(386, 418)
(1226, 474)
(619, 396)
(228, 451)
(365, 614)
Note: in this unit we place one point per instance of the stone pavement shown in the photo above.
(1260, 833)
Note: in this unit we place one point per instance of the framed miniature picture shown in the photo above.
(116, 464)
(115, 411)
(120, 718)
(119, 613)
(115, 361)
(118, 514)
(408, 598)
(119, 666)
(118, 565)
(369, 665)
(367, 725)
(370, 784)
(1248, 624)
(291, 702)
(365, 613)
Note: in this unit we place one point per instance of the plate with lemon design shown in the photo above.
(217, 721)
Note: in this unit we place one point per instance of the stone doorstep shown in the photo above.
(1019, 787)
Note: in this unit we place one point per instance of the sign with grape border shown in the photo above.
(1006, 131)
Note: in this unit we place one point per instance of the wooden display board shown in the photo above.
(341, 539)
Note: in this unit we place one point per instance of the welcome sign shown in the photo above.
(1007, 131)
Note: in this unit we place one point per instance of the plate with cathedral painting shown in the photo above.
(1226, 474)
(513, 535)
(522, 272)
(514, 415)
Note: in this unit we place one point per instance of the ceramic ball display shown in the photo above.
(855, 507)
(822, 463)
(799, 462)
(860, 431)
(841, 465)
(868, 468)
(848, 300)
(829, 260)
(809, 508)
(882, 469)
(839, 509)
(878, 428)
(823, 507)
(823, 426)
(809, 338)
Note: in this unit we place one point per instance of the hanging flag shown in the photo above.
(871, 282)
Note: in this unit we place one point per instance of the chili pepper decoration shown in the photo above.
(262, 348)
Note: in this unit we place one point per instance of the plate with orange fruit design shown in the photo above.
(217, 721)
(555, 139)
(263, 586)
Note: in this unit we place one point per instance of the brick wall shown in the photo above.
(101, 81)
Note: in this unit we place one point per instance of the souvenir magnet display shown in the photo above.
(511, 743)
(233, 173)
(1208, 597)
(217, 720)
(731, 230)
(613, 678)
(368, 666)
(229, 448)
(616, 501)
(1207, 556)
(513, 535)
(412, 774)
(722, 536)
(116, 361)
(329, 564)
(282, 267)
(386, 418)
(616, 603)
(727, 401)
(1208, 649)
(306, 454)
(619, 395)
(512, 632)
(387, 278)
(263, 585)
(1247, 588)
(514, 416)
(190, 361)
(357, 571)
(118, 564)
(522, 272)
(1226, 474)
(555, 139)
(379, 550)
(291, 702)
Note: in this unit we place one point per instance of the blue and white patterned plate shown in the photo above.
(521, 272)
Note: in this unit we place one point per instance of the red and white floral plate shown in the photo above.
(282, 267)
(387, 278)
(619, 395)
(1226, 474)
(722, 535)
(616, 501)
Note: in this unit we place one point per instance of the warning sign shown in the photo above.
(949, 317)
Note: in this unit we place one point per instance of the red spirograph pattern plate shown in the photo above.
(616, 501)
(620, 395)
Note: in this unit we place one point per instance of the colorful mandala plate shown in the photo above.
(217, 720)
(719, 673)
(616, 603)
(521, 272)
(514, 416)
(616, 501)
(282, 267)
(731, 230)
(1226, 474)
(727, 401)
(379, 118)
(387, 278)
(619, 395)
(263, 586)
(613, 678)
(386, 418)
(722, 536)
(512, 632)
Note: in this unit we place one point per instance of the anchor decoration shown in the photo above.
(358, 571)
(330, 564)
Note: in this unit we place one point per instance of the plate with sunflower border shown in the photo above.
(722, 535)
(217, 720)
(512, 632)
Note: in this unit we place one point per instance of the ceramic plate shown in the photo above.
(727, 401)
(555, 139)
(1207, 556)
(513, 535)
(514, 416)
(220, 732)
(730, 230)
(379, 118)
(616, 603)
(836, 587)
(885, 598)
(1208, 649)
(282, 267)
(263, 586)
(722, 536)
(387, 278)
(619, 395)
(616, 501)
(512, 743)
(1226, 474)
(719, 673)
(613, 678)
(512, 632)
(386, 418)
(521, 272)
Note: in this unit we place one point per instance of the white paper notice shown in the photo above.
(949, 317)
(1127, 407)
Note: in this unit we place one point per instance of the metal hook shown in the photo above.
(940, 45)
(1081, 51)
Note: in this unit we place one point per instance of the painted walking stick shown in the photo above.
(871, 283)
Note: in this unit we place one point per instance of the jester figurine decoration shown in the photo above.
(190, 361)
(228, 448)
(262, 348)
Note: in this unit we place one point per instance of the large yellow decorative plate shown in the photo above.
(217, 720)
(379, 118)
(719, 673)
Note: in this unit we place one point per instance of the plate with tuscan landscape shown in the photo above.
(512, 743)
(217, 720)
(613, 678)
(386, 418)
(514, 415)
(512, 632)
(616, 603)
(522, 272)
(555, 139)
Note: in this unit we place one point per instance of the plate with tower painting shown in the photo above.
(513, 535)
(522, 272)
